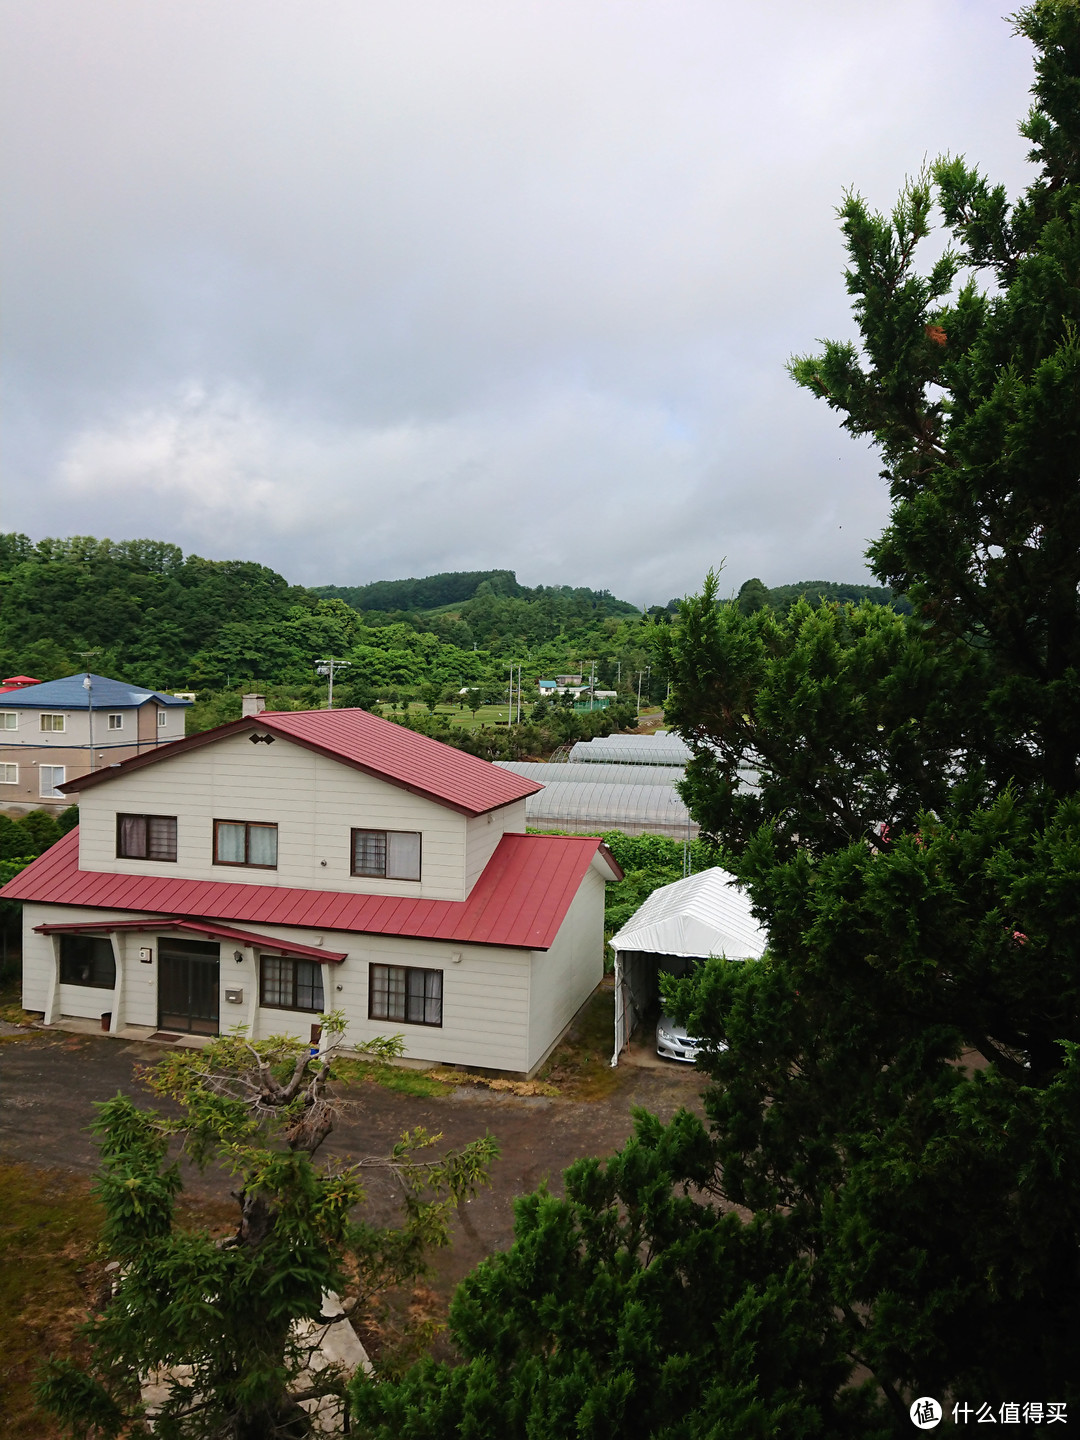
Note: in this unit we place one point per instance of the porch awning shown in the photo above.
(270, 944)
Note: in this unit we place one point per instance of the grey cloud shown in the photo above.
(366, 290)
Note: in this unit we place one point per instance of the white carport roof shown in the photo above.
(705, 914)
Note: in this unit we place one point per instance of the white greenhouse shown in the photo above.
(583, 807)
(662, 748)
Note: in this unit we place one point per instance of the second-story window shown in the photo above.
(49, 777)
(245, 842)
(116, 722)
(162, 718)
(386, 854)
(146, 837)
(53, 722)
(9, 719)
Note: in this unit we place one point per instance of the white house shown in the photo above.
(291, 863)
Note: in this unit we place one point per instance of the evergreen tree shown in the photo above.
(226, 1327)
(894, 1088)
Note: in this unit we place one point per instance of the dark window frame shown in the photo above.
(423, 998)
(122, 854)
(384, 874)
(248, 825)
(294, 962)
(70, 960)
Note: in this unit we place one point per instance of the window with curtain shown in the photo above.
(404, 992)
(386, 854)
(146, 837)
(245, 842)
(286, 984)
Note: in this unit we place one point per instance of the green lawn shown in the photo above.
(465, 719)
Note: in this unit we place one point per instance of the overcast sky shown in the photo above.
(366, 290)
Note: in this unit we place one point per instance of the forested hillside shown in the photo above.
(755, 595)
(428, 593)
(143, 611)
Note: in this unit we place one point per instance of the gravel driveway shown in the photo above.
(49, 1082)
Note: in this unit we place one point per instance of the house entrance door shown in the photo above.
(188, 986)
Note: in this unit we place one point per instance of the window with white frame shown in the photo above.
(116, 722)
(286, 984)
(162, 719)
(386, 854)
(9, 774)
(403, 992)
(51, 723)
(9, 719)
(49, 777)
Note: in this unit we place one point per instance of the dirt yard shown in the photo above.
(50, 1081)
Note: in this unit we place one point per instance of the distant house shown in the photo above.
(291, 863)
(60, 730)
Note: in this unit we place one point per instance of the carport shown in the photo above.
(679, 924)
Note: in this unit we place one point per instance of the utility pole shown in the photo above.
(327, 667)
(88, 686)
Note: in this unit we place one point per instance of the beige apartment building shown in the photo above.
(61, 730)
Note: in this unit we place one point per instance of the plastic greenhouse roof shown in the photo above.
(592, 774)
(631, 750)
(584, 807)
(705, 914)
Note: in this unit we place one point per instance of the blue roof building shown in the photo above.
(59, 730)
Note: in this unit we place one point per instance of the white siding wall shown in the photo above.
(485, 993)
(485, 1000)
(565, 976)
(483, 834)
(315, 802)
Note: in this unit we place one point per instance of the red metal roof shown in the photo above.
(520, 900)
(17, 682)
(366, 742)
(197, 927)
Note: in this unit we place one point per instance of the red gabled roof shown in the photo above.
(520, 900)
(365, 742)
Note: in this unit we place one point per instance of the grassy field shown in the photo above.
(496, 714)
(49, 1272)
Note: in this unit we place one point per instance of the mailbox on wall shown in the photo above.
(234, 995)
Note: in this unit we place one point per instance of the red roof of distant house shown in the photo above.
(368, 743)
(520, 900)
(18, 682)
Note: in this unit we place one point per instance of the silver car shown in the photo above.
(673, 1042)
